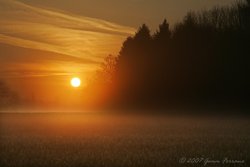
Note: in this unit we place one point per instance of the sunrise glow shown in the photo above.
(75, 82)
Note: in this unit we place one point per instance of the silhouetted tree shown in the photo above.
(204, 59)
(7, 97)
(108, 69)
(164, 33)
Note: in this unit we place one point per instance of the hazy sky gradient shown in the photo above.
(86, 29)
(43, 30)
(51, 41)
(130, 12)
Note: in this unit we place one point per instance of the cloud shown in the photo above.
(18, 62)
(84, 40)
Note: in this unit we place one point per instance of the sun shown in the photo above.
(75, 82)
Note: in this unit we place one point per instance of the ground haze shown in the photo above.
(62, 139)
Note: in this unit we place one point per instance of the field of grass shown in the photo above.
(97, 140)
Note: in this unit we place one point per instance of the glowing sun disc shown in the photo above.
(75, 82)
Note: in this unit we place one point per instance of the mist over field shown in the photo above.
(94, 139)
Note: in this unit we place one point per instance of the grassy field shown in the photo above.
(96, 140)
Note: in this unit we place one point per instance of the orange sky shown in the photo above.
(44, 43)
(42, 49)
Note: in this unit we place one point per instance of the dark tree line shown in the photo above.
(7, 97)
(203, 59)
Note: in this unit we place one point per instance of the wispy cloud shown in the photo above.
(19, 62)
(81, 37)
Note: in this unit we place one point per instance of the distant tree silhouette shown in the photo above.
(164, 33)
(133, 63)
(160, 62)
(107, 69)
(7, 97)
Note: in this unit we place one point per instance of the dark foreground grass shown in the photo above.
(96, 140)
